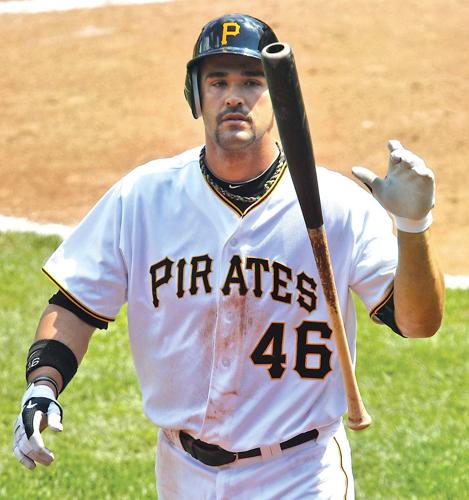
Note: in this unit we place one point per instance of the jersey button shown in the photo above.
(234, 242)
(225, 362)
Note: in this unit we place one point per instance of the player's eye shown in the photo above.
(218, 83)
(252, 83)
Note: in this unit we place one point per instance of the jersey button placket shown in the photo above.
(224, 387)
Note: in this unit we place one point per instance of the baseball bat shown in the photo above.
(292, 123)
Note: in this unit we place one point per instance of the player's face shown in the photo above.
(236, 106)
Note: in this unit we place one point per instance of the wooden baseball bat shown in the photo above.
(287, 101)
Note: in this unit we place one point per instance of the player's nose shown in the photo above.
(233, 98)
(233, 102)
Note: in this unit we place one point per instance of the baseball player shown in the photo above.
(228, 326)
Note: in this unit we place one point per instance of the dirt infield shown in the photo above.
(87, 95)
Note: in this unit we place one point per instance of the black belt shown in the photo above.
(211, 454)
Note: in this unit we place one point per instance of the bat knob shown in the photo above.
(360, 422)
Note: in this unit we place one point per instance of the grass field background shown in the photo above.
(416, 392)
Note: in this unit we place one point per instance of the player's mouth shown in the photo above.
(234, 118)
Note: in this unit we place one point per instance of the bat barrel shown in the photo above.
(281, 74)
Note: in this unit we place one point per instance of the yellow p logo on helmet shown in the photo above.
(229, 29)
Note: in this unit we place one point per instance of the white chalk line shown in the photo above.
(41, 6)
(21, 225)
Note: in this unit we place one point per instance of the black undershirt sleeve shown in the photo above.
(386, 315)
(60, 299)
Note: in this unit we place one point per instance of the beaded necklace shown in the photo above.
(230, 194)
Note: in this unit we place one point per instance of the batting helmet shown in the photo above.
(230, 34)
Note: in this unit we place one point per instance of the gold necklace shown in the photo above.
(237, 197)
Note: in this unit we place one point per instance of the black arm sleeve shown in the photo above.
(386, 314)
(60, 299)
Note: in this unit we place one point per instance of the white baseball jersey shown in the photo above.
(227, 320)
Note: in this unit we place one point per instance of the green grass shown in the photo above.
(107, 449)
(416, 392)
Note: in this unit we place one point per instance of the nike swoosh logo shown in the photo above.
(235, 186)
(31, 405)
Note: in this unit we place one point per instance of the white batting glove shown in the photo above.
(38, 401)
(407, 191)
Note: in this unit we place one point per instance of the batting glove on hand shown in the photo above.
(38, 403)
(407, 191)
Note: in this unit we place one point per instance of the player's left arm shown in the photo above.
(408, 192)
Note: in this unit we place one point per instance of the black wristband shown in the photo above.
(52, 353)
(44, 378)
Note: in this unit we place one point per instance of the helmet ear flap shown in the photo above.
(191, 90)
(197, 111)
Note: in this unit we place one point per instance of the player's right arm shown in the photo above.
(60, 344)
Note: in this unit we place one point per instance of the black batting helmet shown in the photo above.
(230, 34)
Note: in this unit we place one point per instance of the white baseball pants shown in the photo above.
(318, 469)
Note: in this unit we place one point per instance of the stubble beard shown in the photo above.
(235, 140)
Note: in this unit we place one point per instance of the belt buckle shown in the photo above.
(212, 455)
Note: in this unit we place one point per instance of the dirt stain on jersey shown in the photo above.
(208, 326)
(235, 309)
